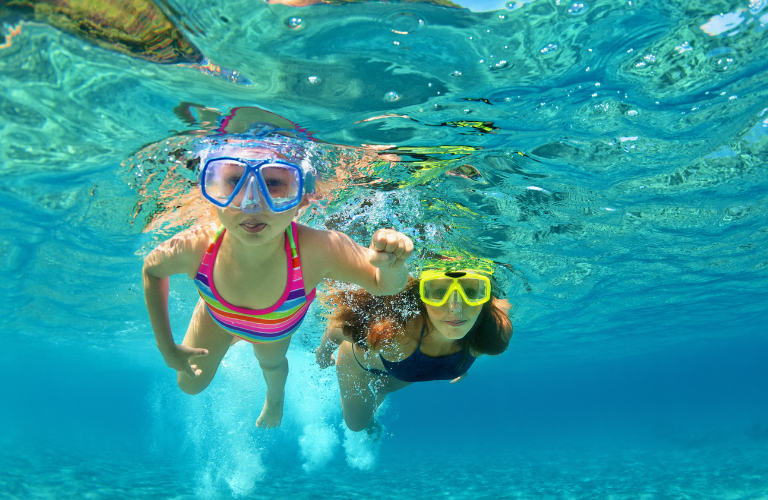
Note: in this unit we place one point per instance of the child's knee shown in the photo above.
(270, 365)
(191, 386)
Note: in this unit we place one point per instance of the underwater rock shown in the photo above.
(137, 28)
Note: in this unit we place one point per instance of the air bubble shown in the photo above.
(456, 73)
(294, 23)
(405, 23)
(391, 96)
(499, 65)
(721, 64)
(314, 80)
(549, 49)
(578, 8)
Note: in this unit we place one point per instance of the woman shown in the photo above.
(433, 330)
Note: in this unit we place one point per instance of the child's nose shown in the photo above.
(251, 201)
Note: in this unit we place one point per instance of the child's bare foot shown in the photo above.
(271, 414)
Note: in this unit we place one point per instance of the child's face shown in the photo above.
(255, 228)
(260, 226)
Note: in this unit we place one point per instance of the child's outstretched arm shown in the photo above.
(390, 251)
(175, 256)
(379, 269)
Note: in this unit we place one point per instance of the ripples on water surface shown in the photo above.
(609, 157)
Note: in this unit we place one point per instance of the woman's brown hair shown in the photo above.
(370, 319)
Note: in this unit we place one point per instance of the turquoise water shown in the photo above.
(630, 237)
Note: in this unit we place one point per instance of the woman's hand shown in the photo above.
(390, 248)
(459, 378)
(178, 358)
(324, 358)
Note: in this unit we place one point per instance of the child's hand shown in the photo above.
(390, 248)
(179, 359)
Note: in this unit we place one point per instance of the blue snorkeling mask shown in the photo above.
(250, 184)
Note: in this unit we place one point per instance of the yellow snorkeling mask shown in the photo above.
(436, 287)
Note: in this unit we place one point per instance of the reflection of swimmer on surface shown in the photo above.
(432, 330)
(306, 3)
(265, 266)
(137, 28)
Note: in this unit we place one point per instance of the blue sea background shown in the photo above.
(630, 236)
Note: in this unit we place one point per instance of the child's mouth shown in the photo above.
(253, 227)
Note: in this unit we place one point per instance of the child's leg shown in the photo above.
(204, 333)
(361, 392)
(274, 366)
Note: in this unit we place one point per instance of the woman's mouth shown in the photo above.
(253, 227)
(456, 322)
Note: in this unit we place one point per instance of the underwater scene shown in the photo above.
(604, 162)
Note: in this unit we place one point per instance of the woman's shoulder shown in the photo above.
(399, 347)
(474, 353)
(413, 329)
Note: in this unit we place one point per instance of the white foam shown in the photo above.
(362, 449)
(219, 425)
(312, 404)
(318, 444)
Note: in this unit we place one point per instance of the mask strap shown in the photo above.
(309, 175)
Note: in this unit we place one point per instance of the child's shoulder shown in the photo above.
(195, 239)
(202, 234)
(182, 253)
(319, 237)
(311, 239)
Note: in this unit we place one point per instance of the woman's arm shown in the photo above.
(332, 338)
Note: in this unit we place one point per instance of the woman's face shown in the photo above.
(455, 318)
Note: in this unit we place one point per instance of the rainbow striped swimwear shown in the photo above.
(264, 325)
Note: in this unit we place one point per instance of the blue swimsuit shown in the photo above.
(418, 367)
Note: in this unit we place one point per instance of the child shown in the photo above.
(257, 272)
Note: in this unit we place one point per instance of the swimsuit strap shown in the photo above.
(293, 235)
(375, 371)
(423, 328)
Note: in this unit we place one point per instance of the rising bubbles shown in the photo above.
(578, 8)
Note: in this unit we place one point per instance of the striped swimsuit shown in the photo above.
(257, 325)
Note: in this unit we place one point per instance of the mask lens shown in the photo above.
(283, 183)
(474, 289)
(221, 178)
(436, 290)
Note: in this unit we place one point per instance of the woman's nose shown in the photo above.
(455, 302)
